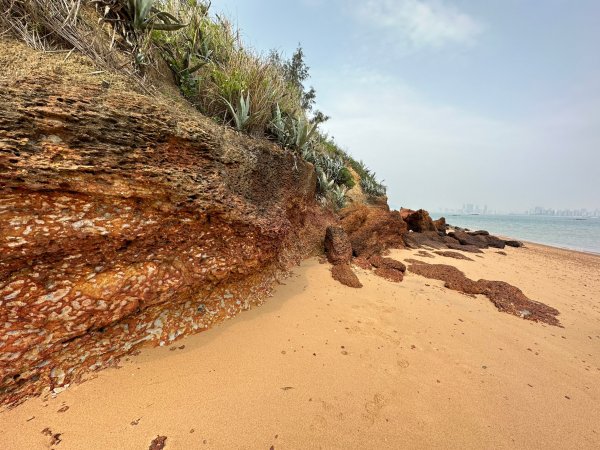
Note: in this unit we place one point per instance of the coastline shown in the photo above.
(556, 247)
(389, 365)
(582, 236)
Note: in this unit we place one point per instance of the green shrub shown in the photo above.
(345, 178)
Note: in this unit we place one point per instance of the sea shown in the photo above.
(573, 233)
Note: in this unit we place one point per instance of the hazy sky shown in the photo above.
(452, 101)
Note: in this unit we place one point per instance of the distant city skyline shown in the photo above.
(470, 208)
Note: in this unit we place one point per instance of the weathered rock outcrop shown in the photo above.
(373, 229)
(468, 239)
(455, 255)
(440, 225)
(124, 220)
(420, 221)
(337, 245)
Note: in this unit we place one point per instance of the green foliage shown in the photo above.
(345, 178)
(132, 17)
(324, 184)
(241, 115)
(295, 133)
(217, 74)
(144, 15)
(372, 187)
(338, 196)
(187, 50)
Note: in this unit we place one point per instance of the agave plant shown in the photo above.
(302, 132)
(324, 184)
(144, 15)
(128, 17)
(292, 132)
(186, 59)
(279, 127)
(241, 116)
(333, 167)
(338, 195)
(370, 186)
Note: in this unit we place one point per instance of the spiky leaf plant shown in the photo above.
(241, 115)
(338, 196)
(144, 15)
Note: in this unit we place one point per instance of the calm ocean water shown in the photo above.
(566, 232)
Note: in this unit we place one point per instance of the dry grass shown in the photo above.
(245, 72)
(67, 25)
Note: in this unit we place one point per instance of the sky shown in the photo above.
(491, 102)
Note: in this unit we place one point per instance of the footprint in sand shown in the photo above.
(374, 407)
(403, 363)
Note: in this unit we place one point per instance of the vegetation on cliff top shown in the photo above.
(224, 79)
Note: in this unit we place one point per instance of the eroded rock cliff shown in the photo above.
(125, 219)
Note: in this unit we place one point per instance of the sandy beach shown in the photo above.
(321, 365)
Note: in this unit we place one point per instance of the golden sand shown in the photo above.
(320, 365)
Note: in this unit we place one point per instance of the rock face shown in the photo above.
(373, 229)
(420, 221)
(337, 246)
(125, 221)
(440, 225)
(405, 212)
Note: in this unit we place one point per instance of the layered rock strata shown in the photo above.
(124, 220)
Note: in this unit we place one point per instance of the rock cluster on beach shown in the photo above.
(366, 232)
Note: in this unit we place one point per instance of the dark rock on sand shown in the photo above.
(158, 443)
(464, 248)
(420, 221)
(426, 239)
(440, 225)
(479, 233)
(373, 229)
(494, 242)
(344, 274)
(337, 245)
(450, 240)
(386, 263)
(455, 255)
(389, 274)
(506, 297)
(514, 243)
(467, 239)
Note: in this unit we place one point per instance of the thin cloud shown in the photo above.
(420, 23)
